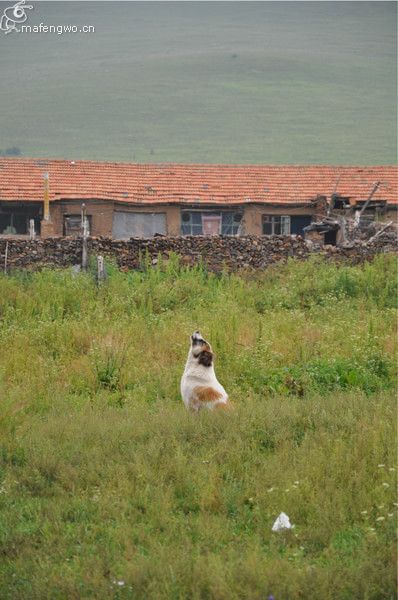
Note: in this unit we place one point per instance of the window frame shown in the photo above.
(145, 226)
(194, 224)
(272, 219)
(77, 230)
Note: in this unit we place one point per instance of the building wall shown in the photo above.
(172, 214)
(252, 224)
(253, 216)
(101, 213)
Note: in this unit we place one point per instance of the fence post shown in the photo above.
(32, 233)
(6, 258)
(85, 233)
(101, 275)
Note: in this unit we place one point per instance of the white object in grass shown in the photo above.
(282, 522)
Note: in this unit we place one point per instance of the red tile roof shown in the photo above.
(22, 179)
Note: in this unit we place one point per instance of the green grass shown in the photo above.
(243, 82)
(110, 489)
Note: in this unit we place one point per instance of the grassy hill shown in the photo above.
(262, 82)
(109, 489)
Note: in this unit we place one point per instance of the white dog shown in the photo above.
(199, 385)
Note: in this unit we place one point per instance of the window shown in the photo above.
(339, 202)
(15, 217)
(276, 225)
(373, 207)
(73, 224)
(138, 224)
(210, 223)
(13, 224)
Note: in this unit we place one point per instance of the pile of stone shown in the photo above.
(216, 253)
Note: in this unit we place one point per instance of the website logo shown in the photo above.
(14, 15)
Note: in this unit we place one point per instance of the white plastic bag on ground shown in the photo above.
(282, 522)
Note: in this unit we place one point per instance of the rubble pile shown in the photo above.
(348, 224)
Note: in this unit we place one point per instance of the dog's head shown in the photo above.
(201, 350)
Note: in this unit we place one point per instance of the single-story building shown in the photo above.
(125, 200)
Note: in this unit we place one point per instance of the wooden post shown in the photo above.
(6, 258)
(343, 229)
(84, 238)
(374, 190)
(378, 234)
(101, 275)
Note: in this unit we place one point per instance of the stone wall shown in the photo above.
(215, 252)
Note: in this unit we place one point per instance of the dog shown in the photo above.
(199, 385)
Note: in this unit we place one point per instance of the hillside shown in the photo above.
(250, 82)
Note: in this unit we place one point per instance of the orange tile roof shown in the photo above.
(22, 179)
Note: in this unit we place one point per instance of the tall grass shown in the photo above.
(108, 489)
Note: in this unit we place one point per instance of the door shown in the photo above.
(330, 237)
(298, 222)
(140, 225)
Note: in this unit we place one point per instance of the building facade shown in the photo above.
(130, 200)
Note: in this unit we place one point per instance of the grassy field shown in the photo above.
(109, 489)
(261, 82)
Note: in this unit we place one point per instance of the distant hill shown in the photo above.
(260, 82)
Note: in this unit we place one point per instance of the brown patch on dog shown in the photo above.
(205, 358)
(207, 394)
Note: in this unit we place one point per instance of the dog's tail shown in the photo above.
(227, 406)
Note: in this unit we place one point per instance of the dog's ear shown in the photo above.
(205, 358)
